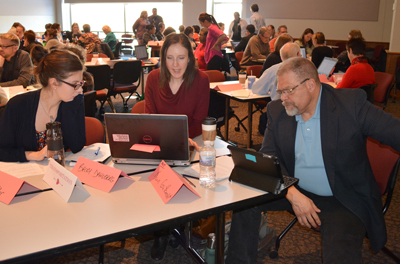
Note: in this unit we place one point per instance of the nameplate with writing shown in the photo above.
(228, 87)
(97, 175)
(11, 186)
(168, 182)
(63, 181)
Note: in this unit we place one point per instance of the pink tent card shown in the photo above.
(97, 175)
(168, 182)
(11, 186)
(228, 87)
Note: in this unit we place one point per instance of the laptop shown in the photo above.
(303, 52)
(169, 132)
(258, 170)
(141, 53)
(327, 66)
(234, 44)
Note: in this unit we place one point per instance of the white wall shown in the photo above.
(33, 14)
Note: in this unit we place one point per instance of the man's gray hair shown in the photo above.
(301, 67)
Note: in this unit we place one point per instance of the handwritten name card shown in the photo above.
(145, 148)
(97, 175)
(168, 182)
(63, 181)
(11, 186)
(229, 87)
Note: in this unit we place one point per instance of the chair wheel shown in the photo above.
(273, 253)
(237, 129)
(173, 242)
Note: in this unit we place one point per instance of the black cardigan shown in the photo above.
(17, 126)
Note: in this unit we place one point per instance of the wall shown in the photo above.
(395, 37)
(33, 14)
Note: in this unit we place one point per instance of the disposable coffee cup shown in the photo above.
(250, 81)
(242, 78)
(95, 54)
(209, 130)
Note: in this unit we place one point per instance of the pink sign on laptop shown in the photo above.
(168, 182)
(11, 186)
(97, 175)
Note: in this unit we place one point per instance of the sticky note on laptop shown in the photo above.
(145, 148)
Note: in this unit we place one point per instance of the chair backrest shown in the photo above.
(369, 90)
(101, 76)
(127, 38)
(90, 103)
(138, 108)
(384, 80)
(215, 76)
(385, 166)
(254, 70)
(377, 51)
(94, 131)
(238, 56)
(117, 51)
(127, 72)
(341, 47)
(107, 51)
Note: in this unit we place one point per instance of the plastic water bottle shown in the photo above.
(207, 166)
(67, 41)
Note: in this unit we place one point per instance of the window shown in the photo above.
(223, 11)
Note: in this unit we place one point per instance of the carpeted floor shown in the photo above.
(301, 245)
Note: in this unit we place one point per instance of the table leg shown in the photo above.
(227, 102)
(250, 124)
(220, 238)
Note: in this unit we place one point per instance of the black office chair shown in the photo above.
(385, 163)
(101, 76)
(126, 79)
(90, 103)
(117, 52)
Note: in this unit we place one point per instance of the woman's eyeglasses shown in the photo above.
(75, 86)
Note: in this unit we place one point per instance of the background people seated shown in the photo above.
(360, 73)
(196, 33)
(343, 59)
(320, 51)
(57, 27)
(306, 41)
(150, 34)
(281, 30)
(15, 64)
(139, 27)
(250, 29)
(168, 31)
(271, 29)
(275, 57)
(257, 48)
(30, 40)
(20, 30)
(110, 39)
(200, 50)
(189, 33)
(89, 40)
(181, 28)
(23, 122)
(52, 42)
(74, 34)
(155, 19)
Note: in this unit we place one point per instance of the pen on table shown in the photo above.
(189, 181)
(190, 176)
(97, 151)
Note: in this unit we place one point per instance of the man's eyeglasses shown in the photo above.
(75, 86)
(4, 47)
(290, 91)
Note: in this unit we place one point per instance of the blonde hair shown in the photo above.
(106, 29)
(11, 37)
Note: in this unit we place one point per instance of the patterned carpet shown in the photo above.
(301, 245)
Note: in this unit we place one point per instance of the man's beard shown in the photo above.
(290, 112)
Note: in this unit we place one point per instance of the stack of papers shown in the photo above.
(89, 152)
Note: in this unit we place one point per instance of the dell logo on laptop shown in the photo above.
(147, 139)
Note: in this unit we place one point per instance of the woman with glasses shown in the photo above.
(23, 121)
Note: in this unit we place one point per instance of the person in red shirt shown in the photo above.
(200, 50)
(360, 73)
(177, 87)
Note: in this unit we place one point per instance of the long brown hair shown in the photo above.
(190, 72)
(210, 18)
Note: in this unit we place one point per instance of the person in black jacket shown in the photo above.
(250, 29)
(23, 121)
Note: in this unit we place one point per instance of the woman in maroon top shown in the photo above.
(177, 88)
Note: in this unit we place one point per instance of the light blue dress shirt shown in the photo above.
(267, 83)
(309, 164)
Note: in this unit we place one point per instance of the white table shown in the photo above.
(249, 100)
(39, 226)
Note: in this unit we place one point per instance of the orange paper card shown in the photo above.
(11, 186)
(229, 87)
(97, 175)
(168, 182)
(145, 148)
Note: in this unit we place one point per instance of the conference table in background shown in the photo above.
(39, 226)
(252, 98)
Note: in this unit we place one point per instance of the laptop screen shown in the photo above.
(327, 65)
(141, 52)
